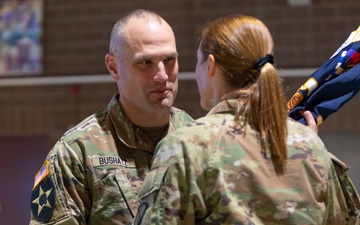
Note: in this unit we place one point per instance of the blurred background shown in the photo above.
(70, 81)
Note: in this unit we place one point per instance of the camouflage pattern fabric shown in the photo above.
(208, 172)
(348, 191)
(95, 170)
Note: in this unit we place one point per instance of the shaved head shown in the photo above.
(117, 37)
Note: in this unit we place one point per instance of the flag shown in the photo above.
(332, 85)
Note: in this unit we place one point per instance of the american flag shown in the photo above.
(41, 174)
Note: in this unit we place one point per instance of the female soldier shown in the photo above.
(246, 161)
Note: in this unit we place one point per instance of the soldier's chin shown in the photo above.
(166, 103)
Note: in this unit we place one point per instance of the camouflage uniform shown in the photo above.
(93, 173)
(209, 173)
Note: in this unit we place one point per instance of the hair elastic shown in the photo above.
(262, 61)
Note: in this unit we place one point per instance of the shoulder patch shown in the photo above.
(41, 174)
(43, 200)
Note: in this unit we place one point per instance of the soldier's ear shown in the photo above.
(211, 65)
(111, 64)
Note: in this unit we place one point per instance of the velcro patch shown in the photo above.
(43, 200)
(41, 174)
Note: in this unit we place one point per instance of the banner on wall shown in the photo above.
(20, 37)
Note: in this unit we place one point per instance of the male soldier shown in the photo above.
(93, 173)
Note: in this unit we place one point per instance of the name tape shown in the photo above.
(112, 161)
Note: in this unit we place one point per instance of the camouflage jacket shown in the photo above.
(89, 177)
(209, 172)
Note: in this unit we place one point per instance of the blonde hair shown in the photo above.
(237, 42)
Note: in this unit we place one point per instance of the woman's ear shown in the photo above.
(211, 65)
(110, 62)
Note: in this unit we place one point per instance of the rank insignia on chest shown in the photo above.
(43, 200)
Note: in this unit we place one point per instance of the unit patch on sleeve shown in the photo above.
(43, 200)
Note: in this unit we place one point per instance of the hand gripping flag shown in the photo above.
(326, 90)
(332, 85)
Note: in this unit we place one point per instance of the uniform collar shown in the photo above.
(128, 133)
(224, 106)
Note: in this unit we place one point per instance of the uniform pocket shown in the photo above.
(153, 182)
(109, 201)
